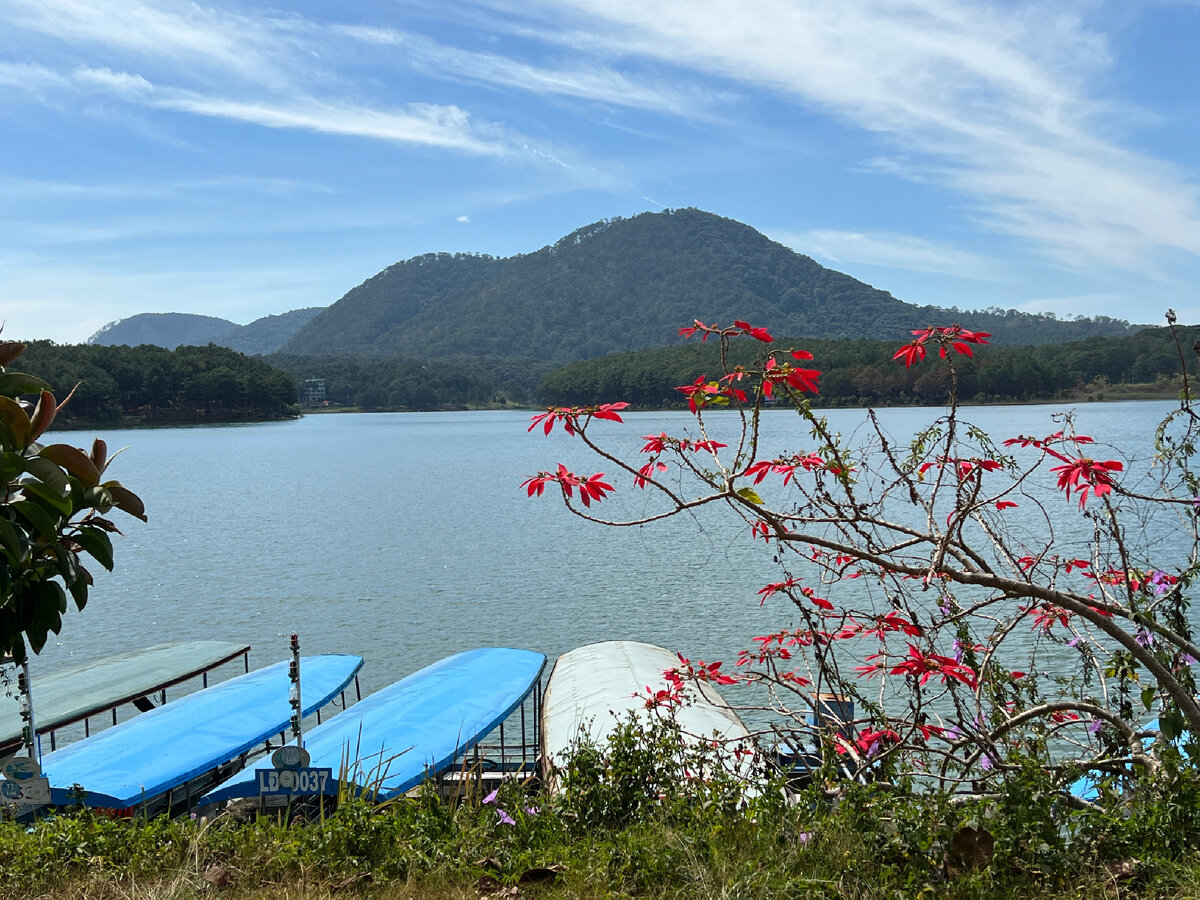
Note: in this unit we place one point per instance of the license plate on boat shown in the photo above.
(309, 780)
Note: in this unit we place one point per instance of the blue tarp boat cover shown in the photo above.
(69, 695)
(418, 726)
(134, 762)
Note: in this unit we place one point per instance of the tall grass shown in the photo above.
(630, 823)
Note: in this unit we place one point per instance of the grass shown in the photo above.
(633, 822)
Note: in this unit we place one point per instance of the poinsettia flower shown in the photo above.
(760, 334)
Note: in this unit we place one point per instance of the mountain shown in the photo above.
(627, 284)
(161, 329)
(268, 334)
(171, 330)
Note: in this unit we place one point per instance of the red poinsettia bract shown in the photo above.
(590, 488)
(954, 336)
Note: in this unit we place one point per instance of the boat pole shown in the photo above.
(28, 728)
(294, 693)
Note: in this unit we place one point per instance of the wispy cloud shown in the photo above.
(587, 81)
(895, 251)
(994, 103)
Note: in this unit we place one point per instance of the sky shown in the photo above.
(241, 159)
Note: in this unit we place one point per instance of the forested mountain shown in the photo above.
(150, 385)
(171, 330)
(626, 284)
(268, 334)
(167, 330)
(863, 372)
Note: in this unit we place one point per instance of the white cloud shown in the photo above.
(993, 102)
(466, 220)
(896, 251)
(594, 82)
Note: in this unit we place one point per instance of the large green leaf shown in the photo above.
(79, 589)
(43, 522)
(97, 544)
(748, 493)
(13, 542)
(74, 461)
(13, 384)
(49, 496)
(48, 472)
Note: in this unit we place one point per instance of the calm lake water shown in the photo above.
(406, 537)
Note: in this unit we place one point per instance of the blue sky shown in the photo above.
(240, 159)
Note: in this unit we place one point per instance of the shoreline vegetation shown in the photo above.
(131, 387)
(638, 817)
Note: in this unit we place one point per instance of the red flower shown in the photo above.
(1082, 475)
(759, 334)
(591, 488)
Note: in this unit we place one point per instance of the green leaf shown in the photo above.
(48, 472)
(43, 522)
(97, 545)
(1148, 697)
(749, 494)
(1172, 724)
(49, 496)
(79, 589)
(74, 461)
(13, 384)
(48, 598)
(14, 543)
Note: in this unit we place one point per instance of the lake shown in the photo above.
(407, 537)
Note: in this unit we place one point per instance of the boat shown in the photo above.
(416, 728)
(596, 687)
(75, 695)
(165, 758)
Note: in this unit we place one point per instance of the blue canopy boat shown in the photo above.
(167, 757)
(392, 740)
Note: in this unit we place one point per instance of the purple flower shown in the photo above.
(1159, 580)
(491, 798)
(1144, 638)
(1095, 726)
(958, 650)
(944, 606)
(1187, 659)
(986, 762)
(804, 837)
(1075, 642)
(505, 818)
(531, 810)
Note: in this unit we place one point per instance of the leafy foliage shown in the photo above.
(53, 512)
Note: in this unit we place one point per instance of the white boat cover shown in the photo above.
(594, 687)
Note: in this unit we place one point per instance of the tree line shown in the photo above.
(148, 385)
(863, 373)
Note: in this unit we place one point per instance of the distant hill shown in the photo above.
(171, 330)
(168, 330)
(268, 334)
(628, 284)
